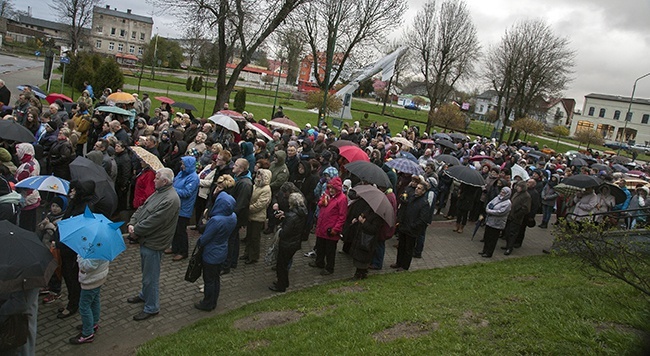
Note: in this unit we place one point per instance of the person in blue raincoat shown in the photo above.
(214, 241)
(186, 184)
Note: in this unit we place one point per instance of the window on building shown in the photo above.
(591, 111)
(99, 29)
(111, 46)
(141, 36)
(584, 125)
(131, 49)
(140, 51)
(617, 114)
(133, 34)
(120, 47)
(122, 33)
(98, 44)
(113, 30)
(602, 112)
(629, 115)
(644, 118)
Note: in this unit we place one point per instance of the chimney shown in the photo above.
(128, 11)
(108, 7)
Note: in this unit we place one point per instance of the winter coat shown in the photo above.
(186, 184)
(124, 171)
(206, 177)
(306, 182)
(413, 216)
(497, 211)
(29, 168)
(92, 272)
(218, 229)
(520, 207)
(82, 125)
(605, 204)
(242, 192)
(279, 170)
(290, 236)
(333, 211)
(61, 155)
(386, 231)
(248, 152)
(549, 195)
(155, 221)
(261, 197)
(144, 187)
(585, 206)
(468, 196)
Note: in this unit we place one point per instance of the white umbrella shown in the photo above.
(518, 170)
(225, 121)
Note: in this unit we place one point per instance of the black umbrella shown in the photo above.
(577, 161)
(341, 143)
(582, 181)
(601, 167)
(442, 136)
(446, 143)
(537, 154)
(620, 168)
(620, 159)
(466, 175)
(458, 136)
(369, 172)
(449, 159)
(618, 193)
(83, 169)
(11, 130)
(185, 106)
(378, 201)
(25, 263)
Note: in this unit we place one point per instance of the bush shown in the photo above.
(195, 84)
(240, 100)
(188, 84)
(108, 75)
(199, 86)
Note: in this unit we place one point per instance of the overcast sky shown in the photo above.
(611, 38)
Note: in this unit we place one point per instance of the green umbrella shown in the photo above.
(114, 110)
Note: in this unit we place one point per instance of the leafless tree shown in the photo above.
(291, 41)
(446, 44)
(194, 38)
(244, 24)
(77, 14)
(7, 9)
(530, 64)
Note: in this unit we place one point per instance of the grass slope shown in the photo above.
(536, 305)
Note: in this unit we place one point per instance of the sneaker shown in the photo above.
(44, 291)
(80, 339)
(310, 254)
(201, 288)
(51, 298)
(95, 327)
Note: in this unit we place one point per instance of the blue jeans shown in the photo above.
(89, 308)
(150, 264)
(380, 251)
(547, 211)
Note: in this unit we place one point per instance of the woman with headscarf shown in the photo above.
(29, 167)
(293, 221)
(496, 212)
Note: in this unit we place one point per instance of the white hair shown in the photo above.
(166, 174)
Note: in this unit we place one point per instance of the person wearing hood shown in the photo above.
(29, 167)
(306, 182)
(496, 211)
(214, 241)
(292, 160)
(9, 202)
(260, 200)
(521, 203)
(248, 153)
(333, 205)
(173, 158)
(186, 184)
(139, 129)
(279, 175)
(290, 239)
(82, 125)
(242, 192)
(549, 196)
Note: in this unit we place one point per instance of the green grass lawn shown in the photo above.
(535, 305)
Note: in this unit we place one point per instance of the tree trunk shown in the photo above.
(383, 109)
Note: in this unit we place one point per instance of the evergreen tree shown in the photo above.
(240, 100)
(199, 87)
(188, 84)
(195, 86)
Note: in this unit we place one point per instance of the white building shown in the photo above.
(605, 113)
(488, 100)
(120, 32)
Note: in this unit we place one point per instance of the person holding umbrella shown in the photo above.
(497, 211)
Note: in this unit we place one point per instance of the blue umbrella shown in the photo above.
(408, 155)
(36, 90)
(114, 110)
(45, 183)
(405, 165)
(92, 236)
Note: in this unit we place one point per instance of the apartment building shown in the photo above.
(117, 32)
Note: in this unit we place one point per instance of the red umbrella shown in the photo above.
(54, 96)
(260, 129)
(233, 114)
(480, 158)
(636, 174)
(284, 123)
(165, 99)
(353, 153)
(427, 141)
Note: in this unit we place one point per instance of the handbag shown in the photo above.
(195, 265)
(530, 222)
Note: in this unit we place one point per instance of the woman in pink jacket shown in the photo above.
(333, 206)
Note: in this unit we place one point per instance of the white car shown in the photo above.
(640, 149)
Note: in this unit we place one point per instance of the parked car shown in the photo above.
(615, 145)
(640, 149)
(412, 106)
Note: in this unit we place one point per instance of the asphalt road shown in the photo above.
(17, 71)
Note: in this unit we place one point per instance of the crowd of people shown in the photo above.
(233, 187)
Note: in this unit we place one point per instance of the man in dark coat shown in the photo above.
(5, 93)
(535, 204)
(242, 193)
(412, 220)
(521, 203)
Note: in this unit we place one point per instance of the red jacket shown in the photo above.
(333, 211)
(144, 187)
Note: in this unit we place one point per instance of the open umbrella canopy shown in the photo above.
(341, 143)
(353, 153)
(283, 122)
(113, 110)
(82, 169)
(427, 141)
(233, 114)
(449, 159)
(225, 121)
(13, 131)
(378, 202)
(164, 99)
(369, 172)
(466, 175)
(582, 181)
(517, 170)
(480, 158)
(631, 183)
(601, 167)
(52, 97)
(441, 136)
(92, 236)
(261, 130)
(36, 90)
(148, 157)
(121, 98)
(25, 263)
(618, 193)
(458, 136)
(402, 141)
(578, 162)
(636, 174)
(537, 154)
(446, 143)
(405, 165)
(185, 106)
(567, 190)
(46, 184)
(620, 168)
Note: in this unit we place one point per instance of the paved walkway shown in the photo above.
(120, 335)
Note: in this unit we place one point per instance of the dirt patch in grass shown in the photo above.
(471, 319)
(355, 288)
(525, 278)
(620, 328)
(407, 330)
(261, 321)
(257, 344)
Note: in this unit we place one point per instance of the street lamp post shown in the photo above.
(628, 115)
(277, 88)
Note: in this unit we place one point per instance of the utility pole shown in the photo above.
(155, 52)
(628, 115)
(277, 87)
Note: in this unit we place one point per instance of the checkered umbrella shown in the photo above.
(405, 165)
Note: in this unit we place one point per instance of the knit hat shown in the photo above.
(5, 156)
(52, 124)
(61, 201)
